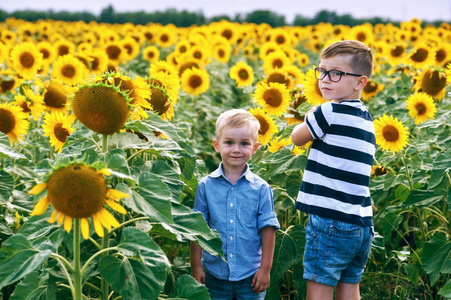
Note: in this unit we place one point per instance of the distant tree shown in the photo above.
(301, 21)
(107, 15)
(265, 16)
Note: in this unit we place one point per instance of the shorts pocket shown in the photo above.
(342, 245)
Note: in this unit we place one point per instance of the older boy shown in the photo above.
(335, 186)
(239, 205)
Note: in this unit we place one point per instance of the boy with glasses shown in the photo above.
(335, 185)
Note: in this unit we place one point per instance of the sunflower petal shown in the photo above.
(117, 207)
(97, 225)
(53, 216)
(40, 207)
(116, 195)
(38, 188)
(108, 217)
(68, 224)
(68, 121)
(105, 171)
(60, 218)
(103, 221)
(85, 228)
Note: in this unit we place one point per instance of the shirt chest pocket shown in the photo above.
(248, 213)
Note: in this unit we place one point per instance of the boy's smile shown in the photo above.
(236, 146)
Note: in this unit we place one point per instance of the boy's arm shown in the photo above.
(301, 134)
(196, 269)
(262, 279)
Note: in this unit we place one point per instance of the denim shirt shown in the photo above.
(238, 212)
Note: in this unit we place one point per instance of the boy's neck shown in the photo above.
(233, 174)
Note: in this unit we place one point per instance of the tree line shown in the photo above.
(186, 18)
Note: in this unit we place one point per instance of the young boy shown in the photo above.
(239, 205)
(335, 186)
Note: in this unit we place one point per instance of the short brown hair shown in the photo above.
(362, 60)
(236, 118)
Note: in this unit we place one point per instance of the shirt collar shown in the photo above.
(220, 172)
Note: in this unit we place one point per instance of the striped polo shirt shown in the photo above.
(336, 180)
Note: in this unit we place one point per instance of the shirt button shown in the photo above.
(231, 204)
(231, 255)
(231, 238)
(231, 221)
(231, 188)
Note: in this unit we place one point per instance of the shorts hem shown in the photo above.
(319, 279)
(350, 279)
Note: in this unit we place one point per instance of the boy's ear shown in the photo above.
(361, 83)
(216, 145)
(255, 148)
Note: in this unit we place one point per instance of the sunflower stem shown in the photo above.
(77, 273)
(105, 143)
(105, 244)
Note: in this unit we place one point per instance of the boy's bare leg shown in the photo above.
(319, 291)
(347, 291)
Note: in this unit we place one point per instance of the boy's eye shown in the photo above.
(229, 143)
(244, 143)
(335, 72)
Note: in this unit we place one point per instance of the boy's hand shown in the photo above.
(198, 274)
(261, 281)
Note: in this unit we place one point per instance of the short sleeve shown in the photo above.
(266, 214)
(319, 121)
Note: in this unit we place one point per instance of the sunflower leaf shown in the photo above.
(18, 259)
(8, 153)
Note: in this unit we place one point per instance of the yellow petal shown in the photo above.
(105, 171)
(116, 195)
(97, 225)
(38, 188)
(69, 120)
(61, 218)
(85, 228)
(53, 216)
(117, 207)
(103, 221)
(68, 224)
(40, 207)
(109, 218)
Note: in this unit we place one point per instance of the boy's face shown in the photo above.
(349, 87)
(236, 146)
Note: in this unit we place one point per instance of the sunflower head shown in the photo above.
(268, 126)
(13, 121)
(421, 107)
(101, 107)
(79, 191)
(432, 82)
(391, 134)
(274, 97)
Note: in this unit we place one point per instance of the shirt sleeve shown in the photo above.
(317, 122)
(266, 214)
(200, 202)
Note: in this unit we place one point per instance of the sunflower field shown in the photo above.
(107, 128)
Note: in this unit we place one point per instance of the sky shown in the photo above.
(395, 10)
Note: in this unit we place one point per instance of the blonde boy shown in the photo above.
(335, 185)
(239, 205)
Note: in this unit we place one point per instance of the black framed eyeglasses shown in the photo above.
(334, 75)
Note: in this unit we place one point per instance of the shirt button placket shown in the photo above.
(231, 216)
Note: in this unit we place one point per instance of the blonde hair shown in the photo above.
(236, 118)
(362, 56)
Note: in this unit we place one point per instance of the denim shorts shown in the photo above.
(231, 290)
(335, 251)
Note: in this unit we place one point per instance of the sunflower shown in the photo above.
(303, 60)
(57, 126)
(432, 82)
(170, 83)
(378, 171)
(55, 96)
(421, 56)
(103, 108)
(48, 52)
(64, 47)
(160, 100)
(221, 52)
(311, 88)
(151, 53)
(442, 54)
(268, 126)
(371, 89)
(185, 62)
(266, 49)
(162, 66)
(275, 60)
(13, 122)
(280, 36)
(131, 47)
(421, 107)
(69, 70)
(166, 37)
(199, 53)
(242, 73)
(26, 59)
(391, 134)
(277, 143)
(362, 33)
(280, 76)
(98, 61)
(396, 53)
(298, 98)
(274, 97)
(8, 81)
(182, 47)
(78, 191)
(30, 102)
(115, 52)
(195, 81)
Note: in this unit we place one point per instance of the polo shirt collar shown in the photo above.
(220, 172)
